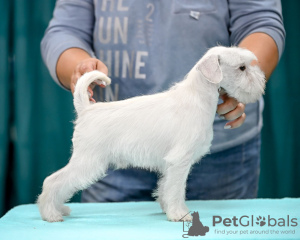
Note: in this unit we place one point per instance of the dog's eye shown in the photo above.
(242, 68)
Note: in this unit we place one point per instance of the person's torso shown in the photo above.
(150, 45)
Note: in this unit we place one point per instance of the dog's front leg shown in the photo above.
(173, 195)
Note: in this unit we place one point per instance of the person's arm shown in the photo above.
(73, 63)
(255, 25)
(265, 49)
(71, 28)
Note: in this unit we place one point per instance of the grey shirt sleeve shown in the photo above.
(250, 16)
(72, 26)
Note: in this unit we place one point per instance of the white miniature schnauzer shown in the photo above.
(166, 132)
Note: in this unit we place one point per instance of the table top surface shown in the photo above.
(225, 219)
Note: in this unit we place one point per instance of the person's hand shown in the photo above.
(231, 110)
(84, 66)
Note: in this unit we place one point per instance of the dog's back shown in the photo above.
(143, 130)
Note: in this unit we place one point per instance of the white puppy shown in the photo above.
(166, 132)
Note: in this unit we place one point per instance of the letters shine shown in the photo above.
(246, 221)
(114, 30)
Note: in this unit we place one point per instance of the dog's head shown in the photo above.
(232, 68)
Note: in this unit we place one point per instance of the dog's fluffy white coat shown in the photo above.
(166, 132)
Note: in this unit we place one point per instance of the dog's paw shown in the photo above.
(179, 216)
(187, 218)
(65, 210)
(53, 217)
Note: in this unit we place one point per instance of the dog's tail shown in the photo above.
(81, 97)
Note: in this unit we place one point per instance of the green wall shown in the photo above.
(280, 165)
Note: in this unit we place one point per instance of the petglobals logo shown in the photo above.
(194, 228)
(251, 221)
(258, 226)
(255, 225)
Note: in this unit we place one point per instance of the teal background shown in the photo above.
(36, 114)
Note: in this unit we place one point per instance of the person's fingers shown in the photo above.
(231, 110)
(90, 94)
(91, 99)
(74, 79)
(85, 67)
(81, 68)
(102, 68)
(102, 85)
(236, 123)
(76, 76)
(90, 91)
(72, 86)
(228, 105)
(235, 113)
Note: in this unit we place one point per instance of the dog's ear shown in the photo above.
(210, 68)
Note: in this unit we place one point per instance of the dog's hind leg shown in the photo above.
(61, 186)
(158, 193)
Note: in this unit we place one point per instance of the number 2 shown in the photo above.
(151, 6)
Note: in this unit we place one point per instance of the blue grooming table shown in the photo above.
(234, 219)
